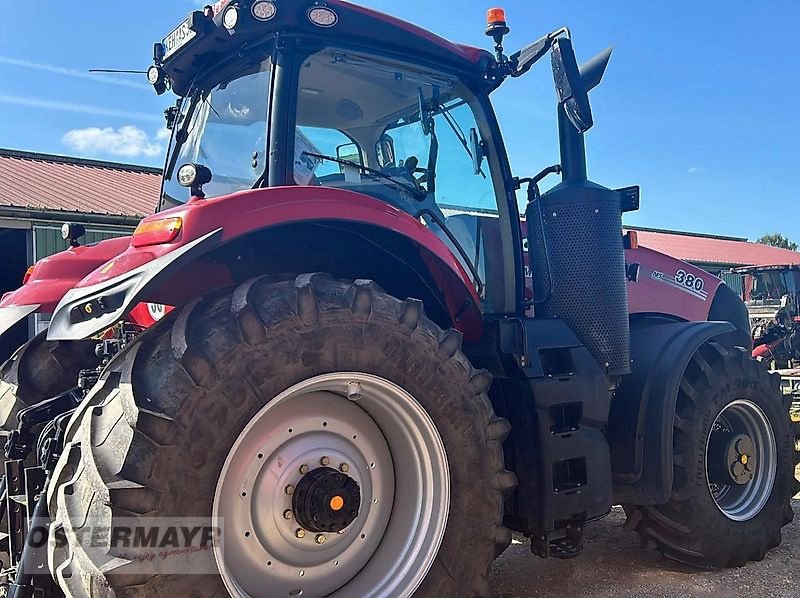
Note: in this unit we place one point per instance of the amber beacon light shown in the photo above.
(496, 25)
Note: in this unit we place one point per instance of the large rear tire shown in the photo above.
(308, 382)
(734, 461)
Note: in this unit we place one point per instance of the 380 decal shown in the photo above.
(689, 280)
(683, 281)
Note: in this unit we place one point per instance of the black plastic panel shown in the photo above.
(560, 453)
(578, 264)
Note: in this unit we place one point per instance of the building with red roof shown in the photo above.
(40, 192)
(714, 253)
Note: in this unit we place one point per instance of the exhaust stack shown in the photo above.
(577, 253)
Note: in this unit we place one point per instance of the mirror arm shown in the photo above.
(521, 62)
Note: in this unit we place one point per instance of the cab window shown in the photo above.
(410, 137)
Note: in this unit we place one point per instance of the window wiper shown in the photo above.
(413, 191)
(181, 135)
(458, 133)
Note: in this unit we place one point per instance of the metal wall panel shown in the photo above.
(734, 281)
(47, 241)
(47, 238)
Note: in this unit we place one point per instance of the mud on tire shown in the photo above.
(38, 370)
(691, 528)
(152, 437)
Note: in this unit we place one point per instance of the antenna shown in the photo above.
(127, 72)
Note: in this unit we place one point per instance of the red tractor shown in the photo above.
(354, 391)
(771, 295)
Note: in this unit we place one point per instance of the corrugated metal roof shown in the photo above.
(727, 251)
(47, 182)
(44, 181)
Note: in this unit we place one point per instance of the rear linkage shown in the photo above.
(23, 490)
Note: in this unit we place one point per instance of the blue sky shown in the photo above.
(698, 106)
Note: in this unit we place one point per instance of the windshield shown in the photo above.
(224, 129)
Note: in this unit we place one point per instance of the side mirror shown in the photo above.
(570, 87)
(476, 149)
(385, 150)
(348, 152)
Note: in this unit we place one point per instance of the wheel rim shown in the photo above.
(374, 433)
(741, 460)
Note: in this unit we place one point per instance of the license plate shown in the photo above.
(178, 38)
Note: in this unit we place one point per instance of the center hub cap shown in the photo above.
(734, 459)
(326, 500)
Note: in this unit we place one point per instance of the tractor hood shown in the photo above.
(53, 276)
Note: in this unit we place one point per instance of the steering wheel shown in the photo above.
(411, 166)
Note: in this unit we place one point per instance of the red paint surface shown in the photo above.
(141, 315)
(244, 212)
(55, 275)
(469, 53)
(766, 349)
(650, 295)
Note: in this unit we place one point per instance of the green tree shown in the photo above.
(777, 240)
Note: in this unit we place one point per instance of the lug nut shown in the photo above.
(304, 469)
(324, 461)
(344, 468)
(320, 539)
(354, 391)
(289, 490)
(300, 533)
(287, 514)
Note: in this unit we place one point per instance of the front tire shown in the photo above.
(734, 463)
(39, 370)
(234, 399)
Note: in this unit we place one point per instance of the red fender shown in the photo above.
(245, 212)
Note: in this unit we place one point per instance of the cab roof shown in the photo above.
(354, 24)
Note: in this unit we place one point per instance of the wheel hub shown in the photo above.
(326, 500)
(741, 460)
(734, 459)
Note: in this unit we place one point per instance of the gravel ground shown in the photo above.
(613, 565)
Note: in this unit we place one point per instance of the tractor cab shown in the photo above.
(339, 96)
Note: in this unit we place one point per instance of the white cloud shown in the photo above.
(97, 78)
(127, 141)
(163, 134)
(696, 169)
(82, 108)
